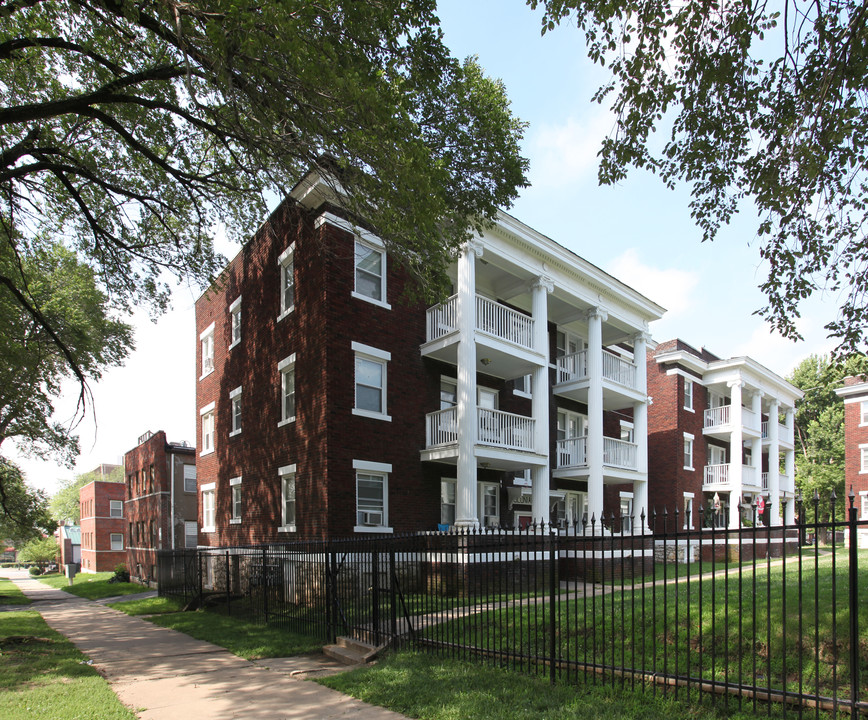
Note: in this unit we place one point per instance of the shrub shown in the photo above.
(35, 570)
(121, 574)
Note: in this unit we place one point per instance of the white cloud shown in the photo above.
(777, 353)
(669, 287)
(567, 152)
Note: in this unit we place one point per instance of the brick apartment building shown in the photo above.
(328, 405)
(855, 396)
(718, 431)
(161, 503)
(103, 526)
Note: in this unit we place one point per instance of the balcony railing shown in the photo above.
(504, 429)
(764, 428)
(503, 322)
(716, 474)
(765, 481)
(441, 427)
(442, 319)
(620, 453)
(715, 417)
(574, 367)
(572, 452)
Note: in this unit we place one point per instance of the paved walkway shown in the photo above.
(165, 675)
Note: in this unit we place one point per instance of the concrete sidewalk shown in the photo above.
(165, 675)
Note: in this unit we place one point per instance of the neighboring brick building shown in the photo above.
(328, 405)
(713, 425)
(161, 501)
(103, 527)
(68, 545)
(855, 395)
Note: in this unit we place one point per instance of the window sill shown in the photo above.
(233, 344)
(206, 452)
(371, 300)
(234, 521)
(285, 313)
(235, 432)
(522, 393)
(286, 528)
(373, 529)
(208, 529)
(689, 468)
(372, 415)
(206, 374)
(690, 409)
(286, 422)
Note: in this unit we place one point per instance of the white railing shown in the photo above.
(716, 474)
(618, 370)
(764, 429)
(503, 322)
(620, 453)
(441, 427)
(785, 433)
(572, 452)
(749, 419)
(441, 319)
(765, 481)
(573, 366)
(715, 417)
(748, 475)
(504, 429)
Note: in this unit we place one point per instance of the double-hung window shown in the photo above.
(235, 509)
(286, 368)
(286, 264)
(116, 508)
(688, 451)
(190, 478)
(370, 273)
(688, 394)
(370, 381)
(207, 414)
(489, 505)
(863, 412)
(206, 340)
(209, 516)
(863, 457)
(447, 501)
(235, 411)
(688, 511)
(191, 534)
(235, 322)
(117, 541)
(372, 496)
(287, 499)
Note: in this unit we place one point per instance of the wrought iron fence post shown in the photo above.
(228, 593)
(199, 563)
(854, 608)
(552, 599)
(393, 600)
(264, 586)
(375, 593)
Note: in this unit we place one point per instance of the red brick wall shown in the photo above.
(854, 436)
(97, 526)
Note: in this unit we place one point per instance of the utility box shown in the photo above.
(70, 571)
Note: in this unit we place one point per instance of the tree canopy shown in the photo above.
(64, 504)
(760, 101)
(40, 551)
(23, 511)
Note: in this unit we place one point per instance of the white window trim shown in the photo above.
(690, 408)
(192, 476)
(282, 473)
(112, 537)
(288, 361)
(208, 331)
(690, 496)
(236, 305)
(380, 248)
(233, 520)
(209, 408)
(688, 436)
(286, 257)
(863, 466)
(119, 502)
(382, 357)
(384, 469)
(209, 488)
(236, 393)
(481, 487)
(528, 383)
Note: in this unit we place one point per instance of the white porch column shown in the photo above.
(540, 476)
(736, 451)
(465, 494)
(596, 318)
(640, 433)
(756, 443)
(775, 461)
(790, 471)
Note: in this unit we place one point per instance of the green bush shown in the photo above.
(35, 570)
(121, 574)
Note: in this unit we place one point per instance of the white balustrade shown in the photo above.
(441, 319)
(620, 453)
(715, 417)
(504, 323)
(716, 474)
(504, 429)
(748, 475)
(619, 370)
(765, 481)
(572, 452)
(573, 366)
(441, 427)
(764, 428)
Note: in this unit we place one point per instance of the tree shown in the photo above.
(64, 503)
(74, 329)
(766, 102)
(40, 551)
(819, 425)
(23, 511)
(130, 130)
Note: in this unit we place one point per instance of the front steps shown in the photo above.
(350, 651)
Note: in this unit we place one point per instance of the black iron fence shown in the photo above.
(755, 615)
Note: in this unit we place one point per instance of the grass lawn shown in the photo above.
(45, 676)
(148, 606)
(431, 688)
(10, 594)
(92, 586)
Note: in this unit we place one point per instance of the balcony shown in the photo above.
(620, 386)
(494, 427)
(719, 476)
(620, 454)
(718, 422)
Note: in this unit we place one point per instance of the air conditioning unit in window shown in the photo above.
(370, 518)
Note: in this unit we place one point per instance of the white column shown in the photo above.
(640, 433)
(540, 476)
(790, 471)
(756, 444)
(775, 462)
(596, 318)
(465, 495)
(736, 450)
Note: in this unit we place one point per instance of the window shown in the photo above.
(370, 266)
(626, 431)
(286, 263)
(447, 501)
(116, 508)
(489, 505)
(191, 534)
(207, 341)
(688, 394)
(235, 509)
(235, 411)
(190, 478)
(688, 451)
(523, 386)
(372, 496)
(688, 511)
(863, 412)
(208, 507)
(117, 540)
(448, 393)
(151, 487)
(287, 499)
(207, 414)
(626, 512)
(235, 324)
(567, 510)
(370, 381)
(863, 453)
(286, 368)
(522, 477)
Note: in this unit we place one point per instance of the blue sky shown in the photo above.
(638, 231)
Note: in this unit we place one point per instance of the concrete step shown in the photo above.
(350, 651)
